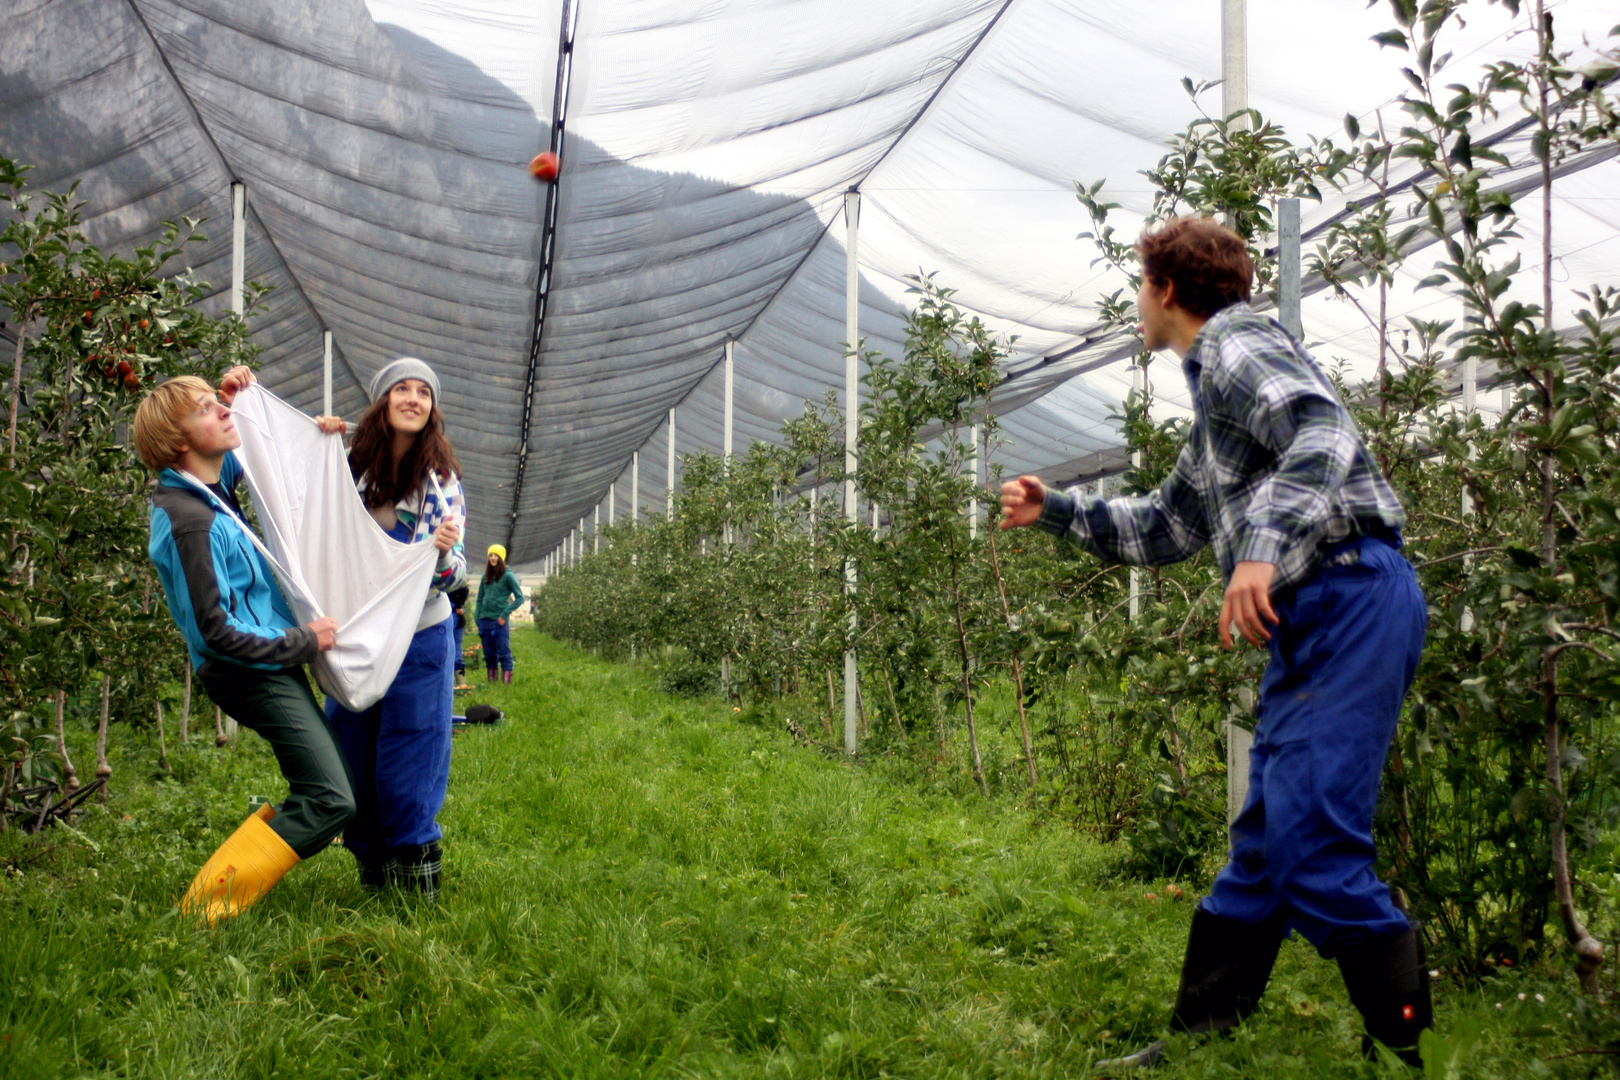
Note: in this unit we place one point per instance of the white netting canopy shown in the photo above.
(708, 144)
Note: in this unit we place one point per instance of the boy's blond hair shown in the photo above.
(159, 430)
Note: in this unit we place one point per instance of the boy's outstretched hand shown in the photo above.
(1021, 502)
(236, 380)
(1247, 608)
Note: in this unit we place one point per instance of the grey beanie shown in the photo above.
(397, 371)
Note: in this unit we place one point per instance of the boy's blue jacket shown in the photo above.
(221, 591)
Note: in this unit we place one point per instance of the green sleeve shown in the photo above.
(516, 592)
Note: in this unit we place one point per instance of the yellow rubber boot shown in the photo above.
(243, 869)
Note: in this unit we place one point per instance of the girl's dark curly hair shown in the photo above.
(1207, 262)
(371, 456)
(493, 573)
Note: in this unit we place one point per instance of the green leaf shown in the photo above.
(1529, 560)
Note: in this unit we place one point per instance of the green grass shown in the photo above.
(638, 885)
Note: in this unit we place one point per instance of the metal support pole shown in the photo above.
(326, 375)
(669, 486)
(1470, 392)
(635, 485)
(1234, 57)
(1235, 96)
(1138, 387)
(1288, 268)
(596, 528)
(1238, 742)
(238, 284)
(973, 503)
(238, 244)
(725, 450)
(613, 492)
(725, 464)
(852, 345)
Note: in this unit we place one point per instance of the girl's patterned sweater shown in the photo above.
(418, 516)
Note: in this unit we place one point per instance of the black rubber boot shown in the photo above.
(1388, 980)
(1226, 969)
(375, 876)
(417, 869)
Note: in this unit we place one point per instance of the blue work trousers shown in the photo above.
(1342, 658)
(399, 751)
(497, 639)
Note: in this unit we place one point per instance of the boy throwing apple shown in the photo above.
(1306, 530)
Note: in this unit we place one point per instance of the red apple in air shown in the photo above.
(544, 166)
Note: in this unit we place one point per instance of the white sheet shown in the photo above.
(332, 558)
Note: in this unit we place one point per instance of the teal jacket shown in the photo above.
(493, 597)
(220, 590)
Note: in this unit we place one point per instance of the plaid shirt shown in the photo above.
(1273, 468)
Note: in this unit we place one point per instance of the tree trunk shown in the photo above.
(832, 704)
(967, 683)
(61, 741)
(185, 708)
(103, 770)
(163, 746)
(5, 793)
(1017, 668)
(16, 387)
(1588, 949)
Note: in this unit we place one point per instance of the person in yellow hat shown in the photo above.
(498, 597)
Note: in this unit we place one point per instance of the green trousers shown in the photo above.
(280, 707)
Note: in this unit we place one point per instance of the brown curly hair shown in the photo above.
(1207, 262)
(372, 456)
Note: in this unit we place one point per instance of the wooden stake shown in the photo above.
(219, 729)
